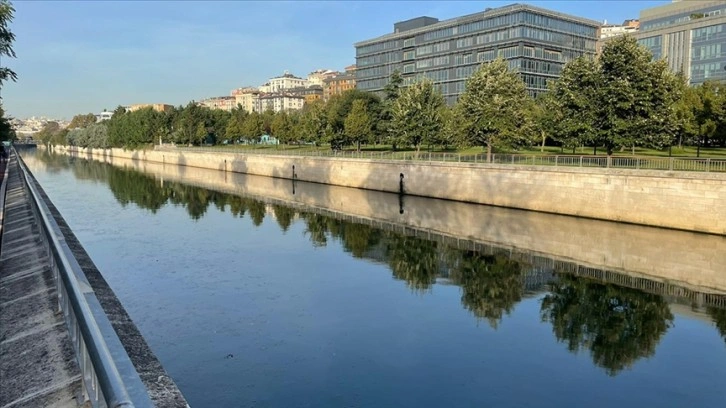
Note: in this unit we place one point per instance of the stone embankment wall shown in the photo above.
(681, 200)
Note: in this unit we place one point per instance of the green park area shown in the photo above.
(622, 103)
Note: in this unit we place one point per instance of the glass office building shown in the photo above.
(690, 35)
(534, 41)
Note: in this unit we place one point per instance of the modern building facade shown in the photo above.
(535, 41)
(246, 98)
(690, 35)
(282, 83)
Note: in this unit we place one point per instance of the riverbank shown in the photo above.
(679, 200)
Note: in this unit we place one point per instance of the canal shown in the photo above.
(252, 302)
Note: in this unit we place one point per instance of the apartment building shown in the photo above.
(338, 84)
(535, 41)
(283, 82)
(246, 98)
(226, 103)
(690, 35)
(278, 102)
(317, 77)
(159, 107)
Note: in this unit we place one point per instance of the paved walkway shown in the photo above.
(37, 363)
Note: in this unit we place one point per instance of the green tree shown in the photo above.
(82, 121)
(358, 124)
(687, 131)
(6, 129)
(253, 126)
(391, 92)
(708, 112)
(617, 325)
(7, 38)
(313, 122)
(416, 115)
(636, 97)
(570, 109)
(282, 127)
(494, 109)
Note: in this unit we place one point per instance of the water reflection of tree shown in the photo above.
(413, 260)
(491, 284)
(617, 325)
(130, 186)
(284, 216)
(359, 238)
(719, 319)
(316, 226)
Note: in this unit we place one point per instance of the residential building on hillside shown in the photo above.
(690, 35)
(225, 103)
(159, 107)
(103, 116)
(282, 83)
(317, 77)
(310, 93)
(338, 84)
(535, 41)
(246, 98)
(279, 102)
(615, 30)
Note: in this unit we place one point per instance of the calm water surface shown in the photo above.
(255, 305)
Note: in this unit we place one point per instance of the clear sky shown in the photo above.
(86, 56)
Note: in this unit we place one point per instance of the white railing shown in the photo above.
(613, 162)
(108, 374)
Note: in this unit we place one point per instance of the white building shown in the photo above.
(283, 82)
(103, 116)
(614, 30)
(279, 102)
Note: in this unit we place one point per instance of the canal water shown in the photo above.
(249, 302)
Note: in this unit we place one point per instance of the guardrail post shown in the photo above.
(580, 161)
(708, 165)
(557, 158)
(670, 163)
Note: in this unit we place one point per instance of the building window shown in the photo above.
(408, 68)
(409, 42)
(409, 55)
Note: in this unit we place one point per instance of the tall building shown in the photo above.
(690, 35)
(317, 77)
(535, 41)
(339, 83)
(278, 102)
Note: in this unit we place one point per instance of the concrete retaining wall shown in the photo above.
(680, 200)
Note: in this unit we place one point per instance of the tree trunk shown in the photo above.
(489, 152)
(573, 149)
(698, 149)
(633, 150)
(359, 146)
(670, 151)
(594, 150)
(544, 137)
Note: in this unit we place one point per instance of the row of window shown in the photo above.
(705, 52)
(433, 48)
(511, 19)
(388, 45)
(691, 15)
(702, 72)
(432, 62)
(385, 58)
(565, 40)
(706, 33)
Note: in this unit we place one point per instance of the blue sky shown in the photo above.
(79, 57)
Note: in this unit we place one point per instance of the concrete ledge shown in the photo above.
(680, 200)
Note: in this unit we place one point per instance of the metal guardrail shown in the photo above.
(614, 162)
(108, 374)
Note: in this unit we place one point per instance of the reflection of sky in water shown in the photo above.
(315, 327)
